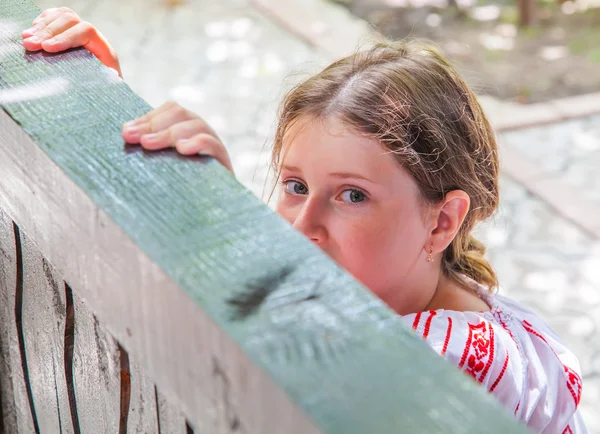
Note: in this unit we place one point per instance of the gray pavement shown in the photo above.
(568, 150)
(230, 63)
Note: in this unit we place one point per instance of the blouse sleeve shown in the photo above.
(505, 361)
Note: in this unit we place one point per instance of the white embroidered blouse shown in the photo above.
(515, 355)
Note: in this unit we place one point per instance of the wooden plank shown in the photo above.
(250, 326)
(112, 393)
(44, 318)
(143, 415)
(16, 411)
(170, 418)
(96, 373)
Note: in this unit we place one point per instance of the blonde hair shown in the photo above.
(408, 97)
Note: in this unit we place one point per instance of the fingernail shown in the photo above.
(130, 124)
(151, 137)
(51, 41)
(34, 39)
(31, 30)
(131, 130)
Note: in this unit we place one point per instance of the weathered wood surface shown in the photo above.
(143, 412)
(14, 401)
(96, 372)
(44, 321)
(244, 322)
(170, 418)
(64, 348)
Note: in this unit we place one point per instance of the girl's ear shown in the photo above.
(447, 219)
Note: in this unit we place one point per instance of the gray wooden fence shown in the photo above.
(153, 293)
(61, 370)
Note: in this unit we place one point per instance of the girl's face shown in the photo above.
(352, 198)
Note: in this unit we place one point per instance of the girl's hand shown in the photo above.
(59, 29)
(170, 125)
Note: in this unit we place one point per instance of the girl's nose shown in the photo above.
(310, 221)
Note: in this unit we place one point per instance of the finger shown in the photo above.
(99, 47)
(41, 21)
(56, 27)
(169, 106)
(133, 130)
(205, 144)
(145, 118)
(78, 35)
(168, 137)
(48, 16)
(154, 121)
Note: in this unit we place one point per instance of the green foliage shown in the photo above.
(594, 55)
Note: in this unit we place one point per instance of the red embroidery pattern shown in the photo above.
(527, 326)
(432, 313)
(574, 383)
(498, 314)
(448, 333)
(416, 322)
(567, 430)
(501, 373)
(479, 350)
(517, 409)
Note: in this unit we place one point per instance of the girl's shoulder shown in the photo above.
(513, 353)
(485, 345)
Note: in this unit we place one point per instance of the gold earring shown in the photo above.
(430, 256)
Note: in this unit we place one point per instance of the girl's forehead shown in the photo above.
(326, 135)
(332, 147)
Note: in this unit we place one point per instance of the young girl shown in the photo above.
(386, 162)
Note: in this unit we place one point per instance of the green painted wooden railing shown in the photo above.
(229, 310)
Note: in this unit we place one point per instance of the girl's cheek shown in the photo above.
(285, 211)
(286, 214)
(358, 250)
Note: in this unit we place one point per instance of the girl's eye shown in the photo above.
(295, 187)
(353, 196)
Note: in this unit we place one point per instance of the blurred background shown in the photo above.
(535, 65)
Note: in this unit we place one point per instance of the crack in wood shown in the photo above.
(2, 429)
(19, 322)
(125, 390)
(188, 428)
(69, 349)
(60, 428)
(157, 409)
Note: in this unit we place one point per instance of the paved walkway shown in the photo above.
(231, 60)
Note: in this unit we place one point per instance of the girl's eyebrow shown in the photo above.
(343, 175)
(346, 175)
(291, 168)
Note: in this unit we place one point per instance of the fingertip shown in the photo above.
(31, 46)
(152, 142)
(52, 46)
(133, 131)
(130, 137)
(185, 147)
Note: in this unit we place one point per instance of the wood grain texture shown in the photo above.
(44, 317)
(16, 412)
(96, 373)
(170, 418)
(143, 416)
(250, 326)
